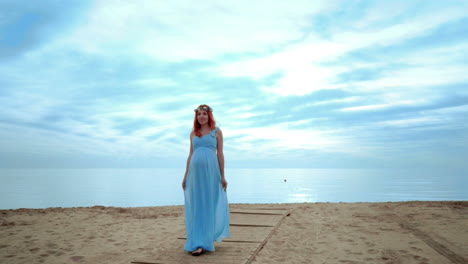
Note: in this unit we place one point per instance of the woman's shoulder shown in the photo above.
(217, 131)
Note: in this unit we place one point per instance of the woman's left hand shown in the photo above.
(224, 183)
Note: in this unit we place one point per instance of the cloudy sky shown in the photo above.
(292, 83)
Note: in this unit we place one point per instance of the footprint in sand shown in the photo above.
(416, 248)
(277, 243)
(370, 244)
(34, 250)
(348, 261)
(52, 245)
(416, 257)
(77, 258)
(68, 248)
(391, 256)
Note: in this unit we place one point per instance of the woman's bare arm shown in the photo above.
(188, 160)
(220, 153)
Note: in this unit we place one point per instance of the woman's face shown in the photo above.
(202, 117)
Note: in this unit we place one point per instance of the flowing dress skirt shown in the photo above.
(206, 205)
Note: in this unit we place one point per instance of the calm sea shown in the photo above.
(41, 188)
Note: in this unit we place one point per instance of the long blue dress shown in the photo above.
(206, 205)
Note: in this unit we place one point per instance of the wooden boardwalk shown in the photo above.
(250, 230)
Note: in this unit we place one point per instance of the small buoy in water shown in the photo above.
(284, 180)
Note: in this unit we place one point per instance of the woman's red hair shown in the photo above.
(211, 121)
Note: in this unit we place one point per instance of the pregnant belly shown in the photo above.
(204, 157)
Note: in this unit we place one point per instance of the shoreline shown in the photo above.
(360, 232)
(235, 204)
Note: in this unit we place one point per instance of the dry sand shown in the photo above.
(404, 232)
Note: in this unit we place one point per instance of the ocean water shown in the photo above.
(42, 188)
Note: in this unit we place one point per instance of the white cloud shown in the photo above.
(282, 137)
(454, 110)
(301, 67)
(30, 140)
(156, 82)
(298, 64)
(272, 41)
(181, 30)
(415, 79)
(425, 69)
(336, 101)
(418, 25)
(388, 100)
(302, 79)
(366, 107)
(412, 122)
(28, 107)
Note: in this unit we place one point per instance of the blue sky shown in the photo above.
(293, 83)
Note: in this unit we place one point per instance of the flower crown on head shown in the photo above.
(203, 108)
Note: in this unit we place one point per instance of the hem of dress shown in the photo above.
(222, 237)
(219, 239)
(198, 248)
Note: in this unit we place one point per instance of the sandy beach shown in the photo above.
(400, 232)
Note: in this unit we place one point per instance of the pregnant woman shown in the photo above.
(204, 184)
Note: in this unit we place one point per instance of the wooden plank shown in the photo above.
(246, 234)
(230, 241)
(242, 219)
(186, 257)
(250, 229)
(228, 249)
(249, 233)
(252, 225)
